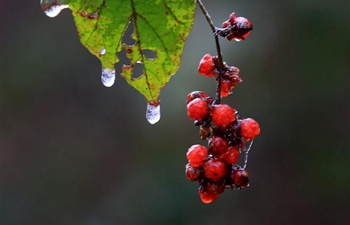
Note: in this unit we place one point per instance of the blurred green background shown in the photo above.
(76, 153)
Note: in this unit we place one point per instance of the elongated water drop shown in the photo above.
(153, 113)
(52, 7)
(108, 77)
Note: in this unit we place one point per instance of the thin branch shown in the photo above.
(218, 49)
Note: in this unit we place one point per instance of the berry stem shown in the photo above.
(218, 49)
(246, 155)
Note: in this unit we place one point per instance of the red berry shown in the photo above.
(217, 145)
(196, 154)
(207, 197)
(193, 173)
(214, 169)
(226, 87)
(197, 109)
(240, 178)
(206, 66)
(223, 115)
(195, 94)
(243, 28)
(232, 155)
(249, 129)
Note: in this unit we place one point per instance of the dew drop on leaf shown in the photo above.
(108, 77)
(102, 52)
(52, 8)
(153, 113)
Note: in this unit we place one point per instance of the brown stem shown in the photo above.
(218, 49)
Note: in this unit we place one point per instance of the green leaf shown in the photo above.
(161, 26)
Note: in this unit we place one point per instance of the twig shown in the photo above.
(218, 49)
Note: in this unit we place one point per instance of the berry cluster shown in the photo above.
(215, 166)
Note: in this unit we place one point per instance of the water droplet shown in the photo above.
(93, 15)
(52, 8)
(102, 52)
(153, 113)
(108, 77)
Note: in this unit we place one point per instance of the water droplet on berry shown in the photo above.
(108, 77)
(153, 113)
(52, 8)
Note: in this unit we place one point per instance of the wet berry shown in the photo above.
(226, 87)
(194, 95)
(223, 115)
(240, 178)
(214, 169)
(193, 173)
(196, 154)
(206, 66)
(207, 197)
(243, 28)
(197, 109)
(217, 145)
(249, 129)
(232, 155)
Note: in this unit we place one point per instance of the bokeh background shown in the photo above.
(76, 153)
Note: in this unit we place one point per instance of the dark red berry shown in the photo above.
(249, 129)
(196, 154)
(193, 173)
(240, 178)
(214, 169)
(210, 186)
(243, 28)
(206, 66)
(195, 94)
(223, 115)
(197, 109)
(232, 155)
(217, 145)
(207, 197)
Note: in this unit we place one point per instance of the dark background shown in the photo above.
(74, 152)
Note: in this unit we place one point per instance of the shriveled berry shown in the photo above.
(240, 178)
(193, 173)
(204, 132)
(194, 95)
(196, 154)
(223, 115)
(232, 155)
(207, 197)
(210, 186)
(206, 66)
(249, 129)
(214, 169)
(197, 109)
(217, 145)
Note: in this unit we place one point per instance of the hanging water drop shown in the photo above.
(52, 8)
(153, 113)
(102, 52)
(108, 77)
